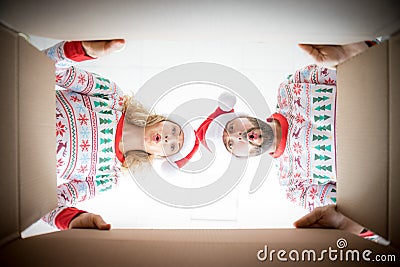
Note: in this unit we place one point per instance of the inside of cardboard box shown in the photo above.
(241, 209)
(142, 59)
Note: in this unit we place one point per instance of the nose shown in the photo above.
(238, 136)
(169, 138)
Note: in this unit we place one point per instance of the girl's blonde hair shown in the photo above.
(138, 115)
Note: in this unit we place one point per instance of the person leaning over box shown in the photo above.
(300, 135)
(92, 118)
(67, 54)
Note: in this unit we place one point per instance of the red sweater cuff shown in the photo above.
(366, 233)
(65, 217)
(74, 51)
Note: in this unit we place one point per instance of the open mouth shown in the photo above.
(252, 136)
(156, 138)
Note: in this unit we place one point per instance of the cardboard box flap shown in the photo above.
(394, 141)
(203, 247)
(9, 159)
(362, 138)
(28, 134)
(368, 139)
(339, 21)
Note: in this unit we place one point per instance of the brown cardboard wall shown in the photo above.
(328, 22)
(362, 138)
(28, 183)
(9, 157)
(37, 142)
(368, 130)
(394, 139)
(184, 248)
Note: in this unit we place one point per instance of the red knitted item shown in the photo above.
(74, 51)
(118, 137)
(284, 127)
(65, 217)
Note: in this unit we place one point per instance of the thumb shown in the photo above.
(307, 48)
(307, 220)
(115, 45)
(100, 223)
(317, 52)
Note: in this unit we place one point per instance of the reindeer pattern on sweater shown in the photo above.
(307, 168)
(88, 108)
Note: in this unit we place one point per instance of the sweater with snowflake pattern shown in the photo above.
(307, 167)
(88, 109)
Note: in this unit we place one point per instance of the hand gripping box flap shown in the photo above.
(28, 183)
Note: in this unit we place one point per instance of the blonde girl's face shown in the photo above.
(164, 138)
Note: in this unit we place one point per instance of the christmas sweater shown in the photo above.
(307, 167)
(88, 109)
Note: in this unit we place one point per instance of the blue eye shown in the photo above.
(230, 144)
(173, 130)
(172, 148)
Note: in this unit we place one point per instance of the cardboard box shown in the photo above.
(28, 190)
(28, 184)
(368, 130)
(312, 21)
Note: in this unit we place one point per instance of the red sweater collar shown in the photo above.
(284, 127)
(118, 137)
